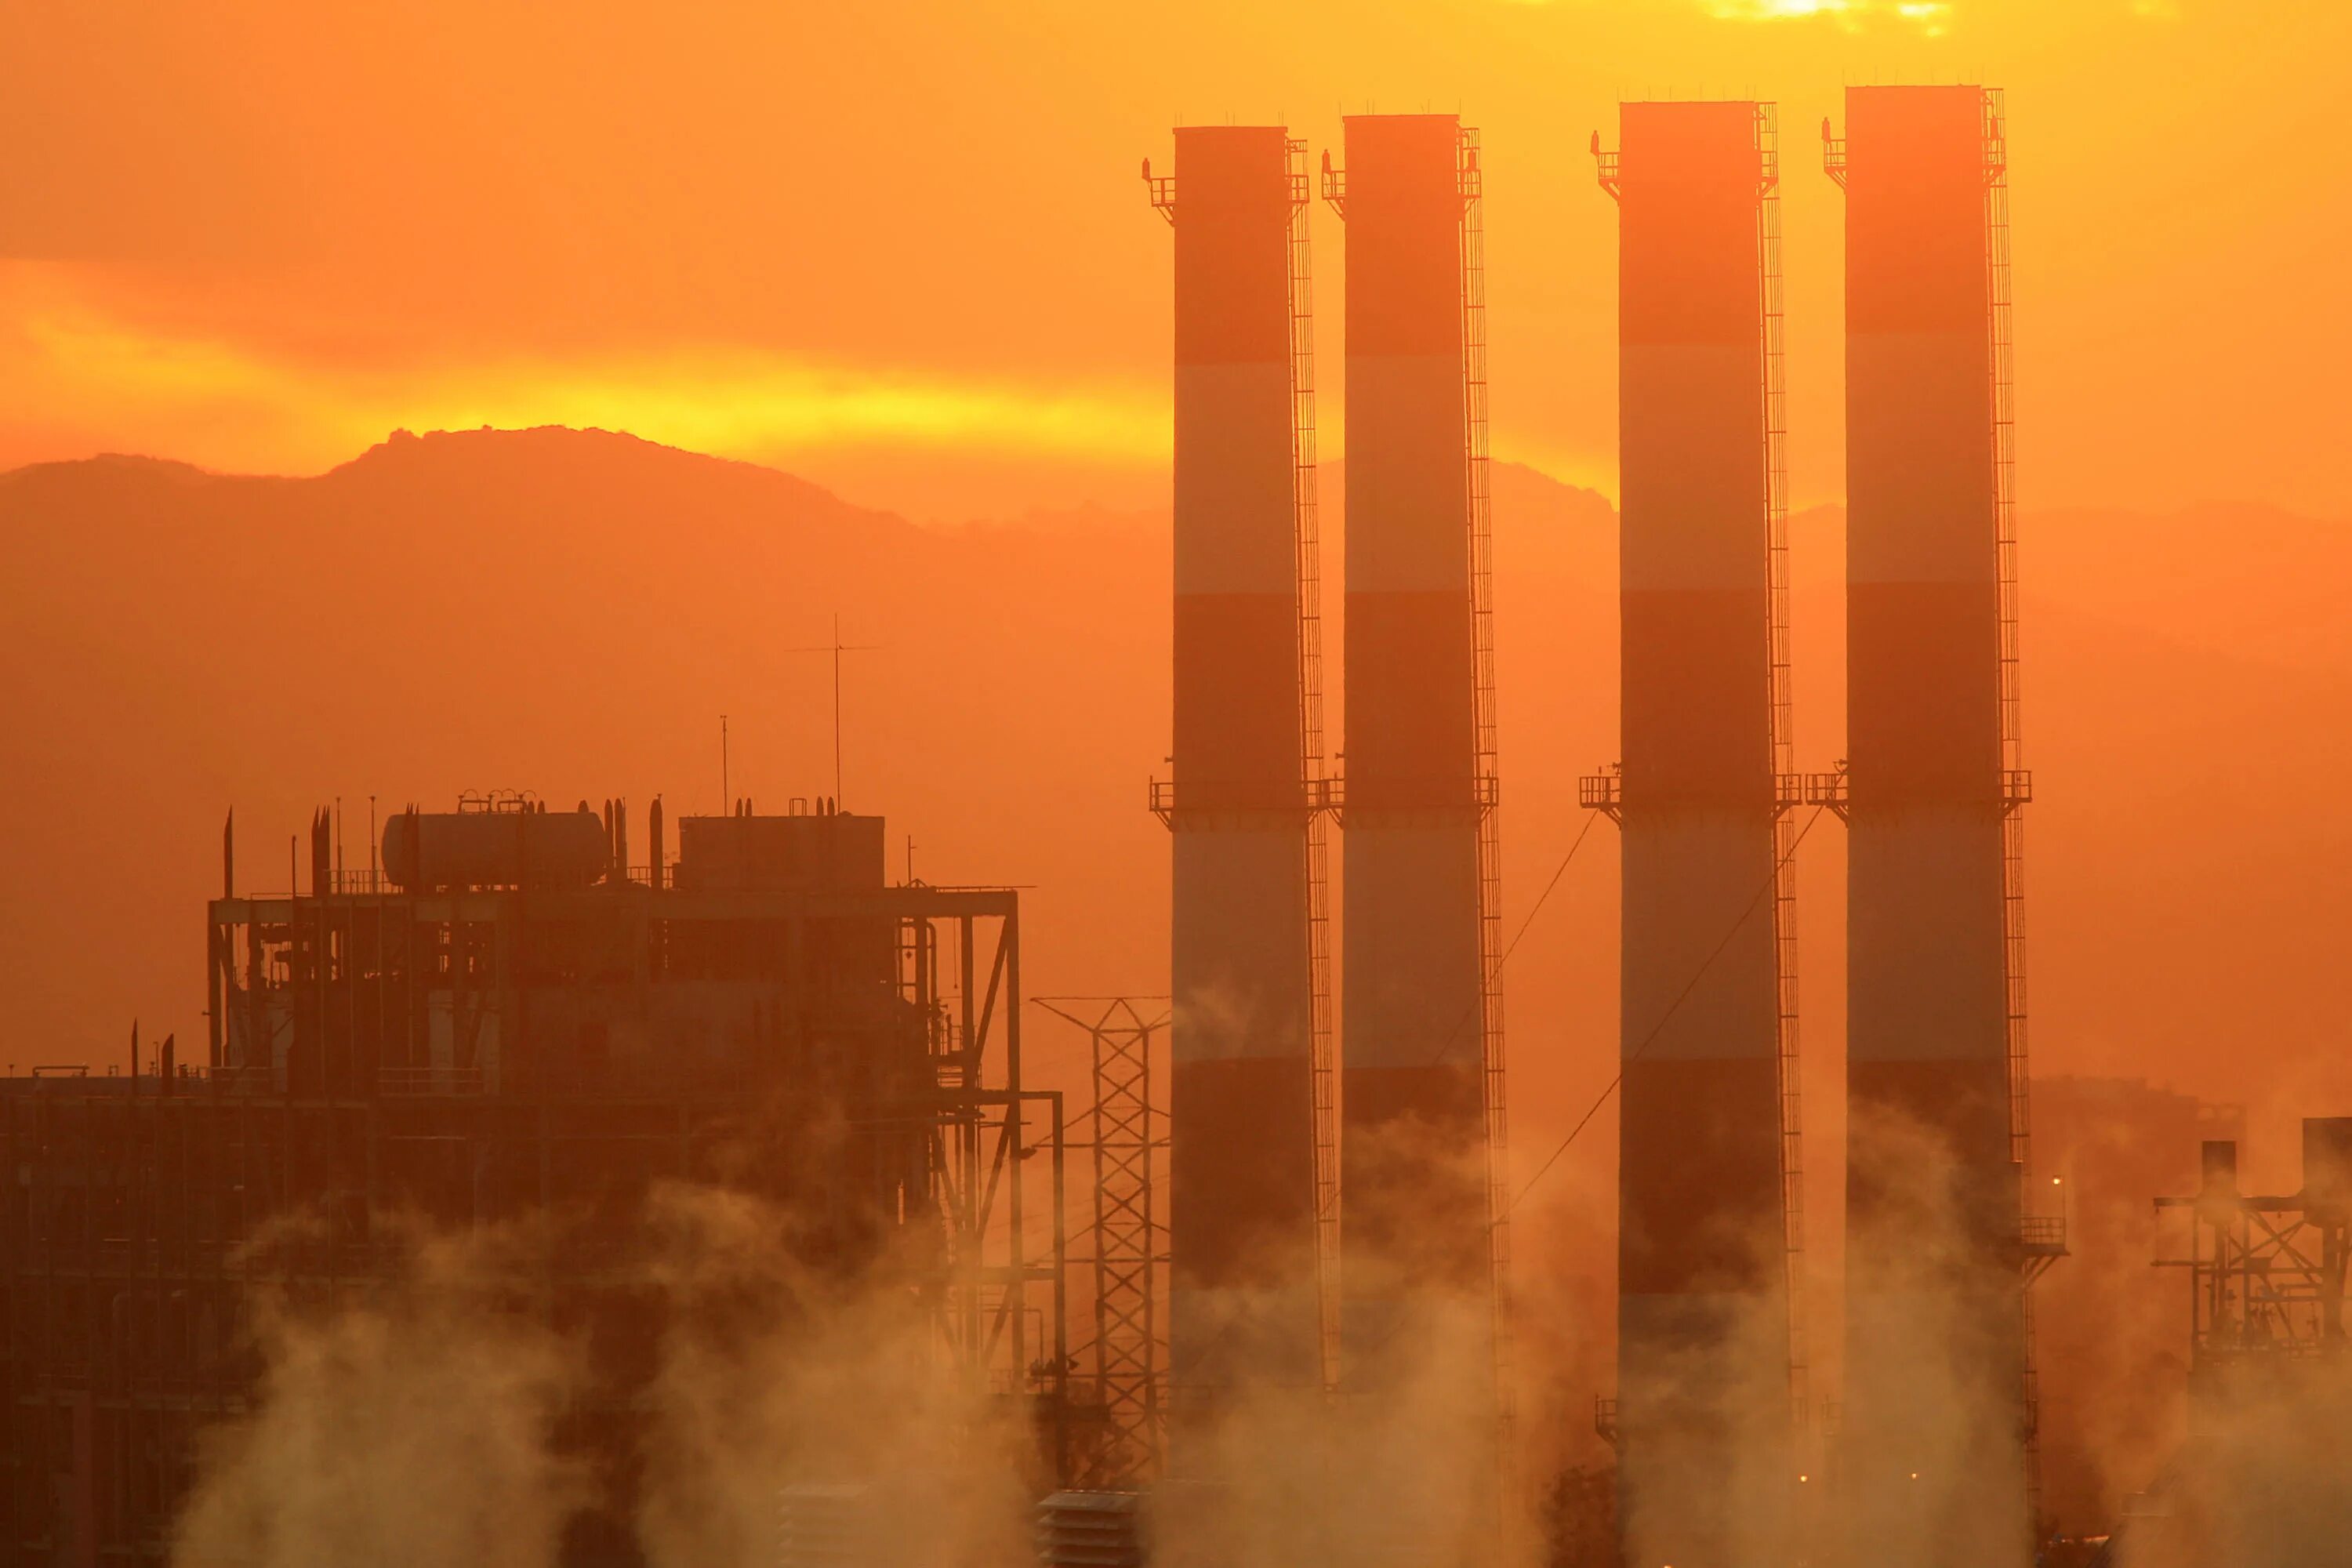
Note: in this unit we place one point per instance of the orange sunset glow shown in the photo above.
(925, 786)
(253, 236)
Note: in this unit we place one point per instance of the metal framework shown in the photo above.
(127, 1262)
(2268, 1352)
(1787, 790)
(2016, 784)
(1487, 773)
(1130, 1350)
(1321, 798)
(2266, 1274)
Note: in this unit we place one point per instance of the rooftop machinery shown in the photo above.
(1938, 1441)
(1253, 1175)
(1423, 1108)
(1709, 1348)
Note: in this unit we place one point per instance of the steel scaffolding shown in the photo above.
(1323, 1053)
(1470, 181)
(1131, 1353)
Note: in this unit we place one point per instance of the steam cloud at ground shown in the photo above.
(429, 1417)
(411, 1427)
(424, 1420)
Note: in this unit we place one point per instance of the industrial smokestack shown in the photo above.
(1706, 1170)
(1935, 1077)
(1422, 1021)
(1243, 1293)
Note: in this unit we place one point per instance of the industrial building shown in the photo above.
(2260, 1477)
(1710, 1362)
(1422, 1070)
(504, 1021)
(1252, 1175)
(1938, 1419)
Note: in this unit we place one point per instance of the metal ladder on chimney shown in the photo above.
(1323, 1064)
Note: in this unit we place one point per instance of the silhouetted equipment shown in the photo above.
(1422, 1151)
(1127, 1139)
(2328, 1168)
(1710, 1357)
(1939, 1252)
(512, 1022)
(1092, 1529)
(2260, 1479)
(774, 854)
(1253, 1173)
(505, 847)
(2266, 1274)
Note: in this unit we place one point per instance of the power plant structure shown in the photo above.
(1421, 1249)
(1128, 1141)
(1253, 1176)
(506, 1024)
(2260, 1477)
(1710, 1353)
(1937, 1446)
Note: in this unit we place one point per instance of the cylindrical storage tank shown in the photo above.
(1702, 1411)
(1243, 1288)
(1935, 1351)
(1414, 1248)
(426, 850)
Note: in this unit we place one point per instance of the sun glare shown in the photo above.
(1929, 15)
(731, 401)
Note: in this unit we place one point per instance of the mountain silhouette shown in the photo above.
(572, 611)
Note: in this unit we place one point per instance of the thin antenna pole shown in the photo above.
(836, 649)
(726, 799)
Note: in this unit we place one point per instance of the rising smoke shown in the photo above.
(438, 1416)
(1931, 1451)
(410, 1423)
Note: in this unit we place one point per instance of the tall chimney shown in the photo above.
(1243, 1280)
(1706, 1226)
(1421, 1025)
(1939, 1417)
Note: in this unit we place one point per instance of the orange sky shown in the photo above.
(901, 247)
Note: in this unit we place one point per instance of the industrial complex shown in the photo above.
(1300, 1190)
(504, 1018)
